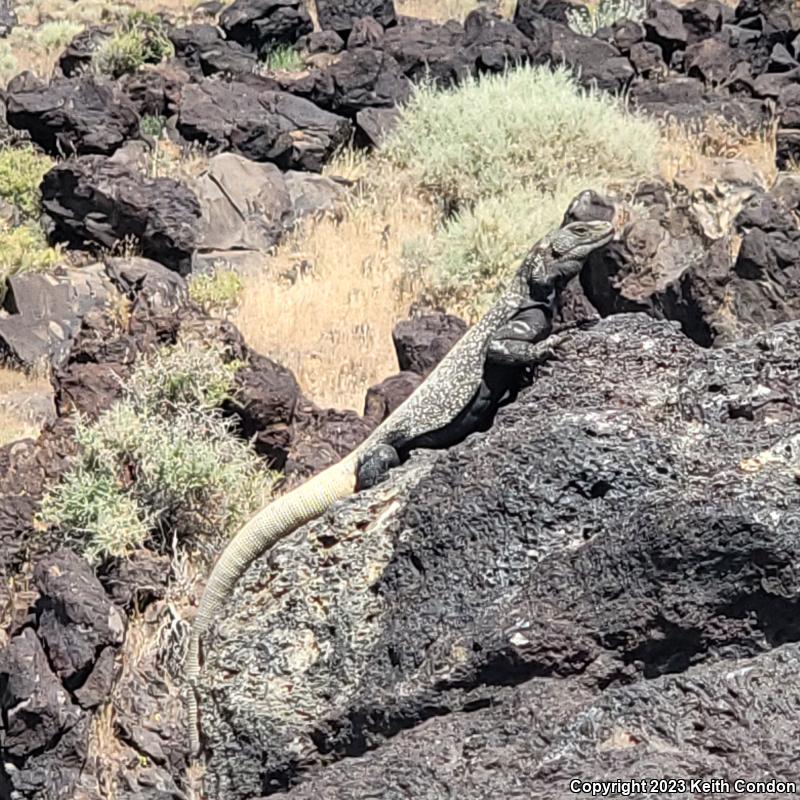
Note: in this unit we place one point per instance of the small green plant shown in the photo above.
(216, 290)
(141, 39)
(153, 125)
(24, 249)
(57, 33)
(21, 173)
(160, 463)
(605, 13)
(283, 58)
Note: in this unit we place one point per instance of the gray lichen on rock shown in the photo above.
(635, 514)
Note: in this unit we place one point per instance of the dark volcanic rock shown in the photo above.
(321, 437)
(261, 24)
(587, 609)
(260, 124)
(77, 56)
(8, 19)
(668, 265)
(265, 398)
(494, 44)
(342, 15)
(203, 49)
(155, 92)
(42, 728)
(70, 115)
(426, 49)
(94, 200)
(383, 398)
(685, 101)
(77, 622)
(422, 342)
(359, 79)
(529, 12)
(664, 26)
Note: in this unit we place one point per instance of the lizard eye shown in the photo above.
(580, 229)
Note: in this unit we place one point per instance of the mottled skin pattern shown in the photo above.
(459, 397)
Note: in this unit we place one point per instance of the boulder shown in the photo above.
(245, 206)
(93, 200)
(494, 44)
(366, 32)
(529, 12)
(358, 79)
(312, 195)
(423, 341)
(77, 56)
(341, 16)
(703, 19)
(137, 580)
(204, 50)
(260, 124)
(426, 50)
(677, 264)
(321, 437)
(42, 313)
(374, 124)
(685, 101)
(155, 91)
(261, 24)
(383, 398)
(263, 407)
(664, 26)
(321, 42)
(633, 549)
(71, 115)
(8, 19)
(79, 625)
(596, 63)
(44, 732)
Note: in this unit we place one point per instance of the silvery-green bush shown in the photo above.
(161, 464)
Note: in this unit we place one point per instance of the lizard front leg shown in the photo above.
(375, 466)
(517, 343)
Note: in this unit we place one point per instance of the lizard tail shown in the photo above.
(270, 525)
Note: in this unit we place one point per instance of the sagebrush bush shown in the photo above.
(140, 39)
(588, 19)
(216, 290)
(506, 151)
(21, 173)
(161, 463)
(57, 33)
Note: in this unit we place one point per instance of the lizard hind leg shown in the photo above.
(375, 466)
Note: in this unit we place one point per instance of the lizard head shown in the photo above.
(560, 255)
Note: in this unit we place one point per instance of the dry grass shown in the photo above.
(17, 420)
(688, 151)
(329, 297)
(443, 10)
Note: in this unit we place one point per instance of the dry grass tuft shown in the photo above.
(686, 150)
(443, 10)
(328, 298)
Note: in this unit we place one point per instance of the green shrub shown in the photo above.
(21, 173)
(141, 39)
(57, 34)
(507, 152)
(24, 249)
(160, 464)
(216, 290)
(153, 125)
(284, 58)
(593, 16)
